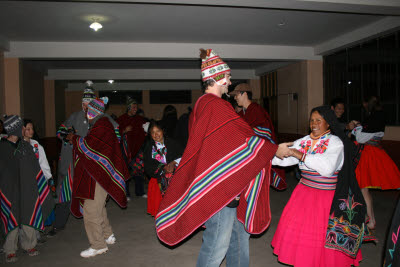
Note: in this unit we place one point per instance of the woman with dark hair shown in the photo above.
(375, 168)
(323, 222)
(31, 137)
(169, 121)
(160, 156)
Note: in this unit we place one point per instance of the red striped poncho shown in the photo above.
(98, 158)
(223, 159)
(259, 119)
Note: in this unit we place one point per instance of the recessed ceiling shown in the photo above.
(292, 24)
(131, 22)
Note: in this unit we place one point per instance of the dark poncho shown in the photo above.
(346, 229)
(392, 255)
(24, 193)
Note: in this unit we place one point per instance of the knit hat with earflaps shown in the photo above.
(13, 125)
(212, 66)
(88, 93)
(96, 107)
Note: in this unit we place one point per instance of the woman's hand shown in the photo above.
(296, 153)
(170, 167)
(283, 150)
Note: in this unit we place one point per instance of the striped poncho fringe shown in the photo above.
(216, 174)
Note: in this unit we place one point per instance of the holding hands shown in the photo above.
(284, 151)
(351, 125)
(170, 167)
(69, 137)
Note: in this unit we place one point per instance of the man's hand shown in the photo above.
(284, 151)
(69, 137)
(351, 125)
(128, 129)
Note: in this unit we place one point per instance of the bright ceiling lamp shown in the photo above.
(96, 26)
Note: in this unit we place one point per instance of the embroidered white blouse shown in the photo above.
(363, 137)
(326, 157)
(41, 155)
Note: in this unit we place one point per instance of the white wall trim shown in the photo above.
(118, 50)
(138, 74)
(383, 7)
(133, 86)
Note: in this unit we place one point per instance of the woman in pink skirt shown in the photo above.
(323, 222)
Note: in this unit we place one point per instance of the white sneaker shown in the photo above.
(128, 199)
(144, 196)
(111, 240)
(90, 252)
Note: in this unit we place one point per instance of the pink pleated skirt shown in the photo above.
(300, 237)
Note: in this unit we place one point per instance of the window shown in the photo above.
(170, 97)
(119, 97)
(370, 68)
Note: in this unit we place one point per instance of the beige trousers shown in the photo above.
(95, 219)
(27, 239)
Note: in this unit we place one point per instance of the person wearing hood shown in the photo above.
(25, 197)
(99, 171)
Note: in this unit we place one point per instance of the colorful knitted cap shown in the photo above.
(88, 93)
(212, 66)
(13, 125)
(96, 107)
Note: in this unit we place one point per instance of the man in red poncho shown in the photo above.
(259, 119)
(99, 171)
(133, 136)
(223, 178)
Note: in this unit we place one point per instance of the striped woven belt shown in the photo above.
(315, 180)
(376, 141)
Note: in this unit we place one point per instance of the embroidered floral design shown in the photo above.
(158, 154)
(342, 206)
(36, 150)
(305, 146)
(395, 236)
(350, 205)
(320, 148)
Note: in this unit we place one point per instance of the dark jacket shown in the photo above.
(174, 151)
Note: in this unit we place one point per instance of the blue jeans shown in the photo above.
(224, 236)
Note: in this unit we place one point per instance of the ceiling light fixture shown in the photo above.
(95, 26)
(110, 81)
